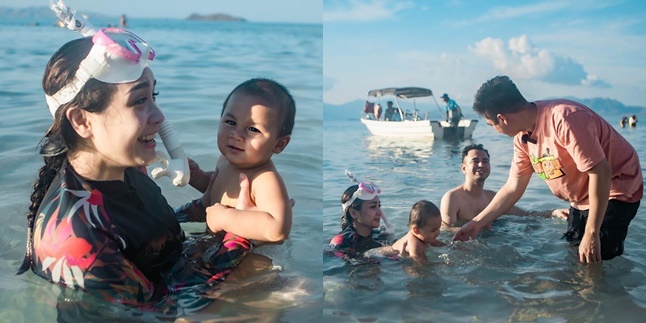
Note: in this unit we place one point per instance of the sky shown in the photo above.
(578, 48)
(292, 11)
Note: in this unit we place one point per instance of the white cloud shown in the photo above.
(520, 59)
(364, 10)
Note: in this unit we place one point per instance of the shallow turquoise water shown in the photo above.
(519, 271)
(197, 65)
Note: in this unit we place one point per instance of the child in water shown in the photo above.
(424, 224)
(256, 122)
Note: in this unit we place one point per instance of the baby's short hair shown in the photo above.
(274, 95)
(422, 212)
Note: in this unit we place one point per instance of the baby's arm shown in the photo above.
(417, 250)
(437, 243)
(270, 220)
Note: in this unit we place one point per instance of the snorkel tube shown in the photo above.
(176, 168)
(70, 19)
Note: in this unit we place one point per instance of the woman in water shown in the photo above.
(97, 222)
(361, 214)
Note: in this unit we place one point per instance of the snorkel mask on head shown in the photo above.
(366, 192)
(117, 56)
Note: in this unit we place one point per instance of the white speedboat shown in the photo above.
(409, 122)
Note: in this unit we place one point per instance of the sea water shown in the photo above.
(197, 65)
(520, 270)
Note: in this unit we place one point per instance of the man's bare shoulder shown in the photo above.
(456, 192)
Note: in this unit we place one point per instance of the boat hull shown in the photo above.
(423, 128)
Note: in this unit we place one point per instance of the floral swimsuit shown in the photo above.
(121, 241)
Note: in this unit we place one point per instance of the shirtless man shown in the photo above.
(461, 204)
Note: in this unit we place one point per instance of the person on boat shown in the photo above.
(632, 121)
(392, 113)
(97, 222)
(453, 111)
(368, 109)
(378, 111)
(462, 203)
(123, 21)
(579, 155)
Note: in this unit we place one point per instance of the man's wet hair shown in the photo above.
(471, 147)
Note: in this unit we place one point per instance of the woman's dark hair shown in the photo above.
(61, 140)
(346, 219)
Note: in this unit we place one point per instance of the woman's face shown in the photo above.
(123, 135)
(369, 216)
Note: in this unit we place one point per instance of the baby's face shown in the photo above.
(249, 131)
(431, 230)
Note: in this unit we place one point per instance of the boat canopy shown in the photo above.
(402, 92)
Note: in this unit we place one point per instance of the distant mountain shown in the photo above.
(215, 17)
(610, 109)
(346, 111)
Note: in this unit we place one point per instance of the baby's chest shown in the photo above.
(225, 191)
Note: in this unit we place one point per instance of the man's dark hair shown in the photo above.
(273, 94)
(471, 147)
(499, 95)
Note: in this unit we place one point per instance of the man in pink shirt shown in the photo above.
(577, 153)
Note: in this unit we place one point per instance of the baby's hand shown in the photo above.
(244, 198)
(212, 216)
(561, 213)
(199, 178)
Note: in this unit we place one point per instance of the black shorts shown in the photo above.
(614, 227)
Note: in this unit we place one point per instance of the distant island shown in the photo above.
(215, 17)
(44, 14)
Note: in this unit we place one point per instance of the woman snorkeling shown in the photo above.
(97, 222)
(361, 215)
